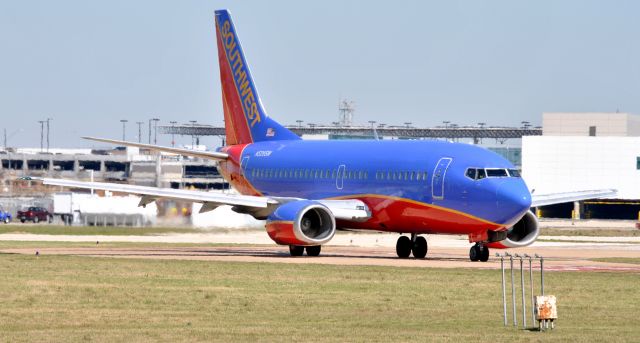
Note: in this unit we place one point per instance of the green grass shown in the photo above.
(591, 232)
(92, 230)
(630, 260)
(68, 298)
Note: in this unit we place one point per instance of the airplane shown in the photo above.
(306, 190)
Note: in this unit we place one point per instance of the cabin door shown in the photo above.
(438, 178)
(340, 176)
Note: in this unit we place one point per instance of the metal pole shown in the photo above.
(533, 310)
(124, 123)
(150, 130)
(513, 292)
(139, 131)
(48, 119)
(524, 305)
(504, 292)
(41, 133)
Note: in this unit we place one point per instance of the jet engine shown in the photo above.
(523, 233)
(301, 222)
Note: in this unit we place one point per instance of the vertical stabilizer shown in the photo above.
(245, 119)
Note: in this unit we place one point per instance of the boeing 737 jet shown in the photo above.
(306, 190)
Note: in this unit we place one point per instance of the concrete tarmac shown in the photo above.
(371, 249)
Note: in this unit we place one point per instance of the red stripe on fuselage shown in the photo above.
(407, 216)
(236, 122)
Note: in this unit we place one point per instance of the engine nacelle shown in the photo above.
(523, 233)
(301, 222)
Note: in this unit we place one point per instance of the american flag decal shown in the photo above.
(271, 132)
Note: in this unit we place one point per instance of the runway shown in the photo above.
(348, 249)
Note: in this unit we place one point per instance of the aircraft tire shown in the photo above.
(313, 250)
(403, 247)
(474, 253)
(296, 250)
(484, 253)
(420, 247)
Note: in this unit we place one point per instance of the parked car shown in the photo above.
(35, 214)
(5, 216)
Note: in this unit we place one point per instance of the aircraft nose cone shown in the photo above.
(513, 199)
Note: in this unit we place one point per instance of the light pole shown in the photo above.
(155, 130)
(299, 123)
(48, 120)
(124, 122)
(150, 130)
(41, 133)
(139, 131)
(446, 123)
(173, 133)
(193, 136)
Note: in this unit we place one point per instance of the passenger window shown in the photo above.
(361, 175)
(424, 176)
(413, 176)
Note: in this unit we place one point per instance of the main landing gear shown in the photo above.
(416, 245)
(479, 252)
(298, 250)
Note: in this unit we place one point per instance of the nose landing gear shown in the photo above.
(479, 252)
(416, 245)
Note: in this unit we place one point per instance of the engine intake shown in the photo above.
(301, 222)
(522, 234)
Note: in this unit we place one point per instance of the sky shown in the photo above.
(89, 64)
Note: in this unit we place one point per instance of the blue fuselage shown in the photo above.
(431, 173)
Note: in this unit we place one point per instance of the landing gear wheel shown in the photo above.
(474, 253)
(296, 250)
(403, 247)
(420, 247)
(313, 250)
(484, 253)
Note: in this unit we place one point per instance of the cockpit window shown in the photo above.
(497, 173)
(481, 174)
(471, 173)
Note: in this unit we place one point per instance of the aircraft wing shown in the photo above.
(558, 198)
(214, 155)
(258, 206)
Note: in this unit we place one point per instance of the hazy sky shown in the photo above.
(88, 64)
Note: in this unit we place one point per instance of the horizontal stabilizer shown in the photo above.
(213, 155)
(148, 193)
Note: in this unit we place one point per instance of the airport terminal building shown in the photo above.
(584, 151)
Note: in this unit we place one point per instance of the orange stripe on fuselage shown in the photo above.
(395, 214)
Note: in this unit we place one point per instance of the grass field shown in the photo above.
(66, 298)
